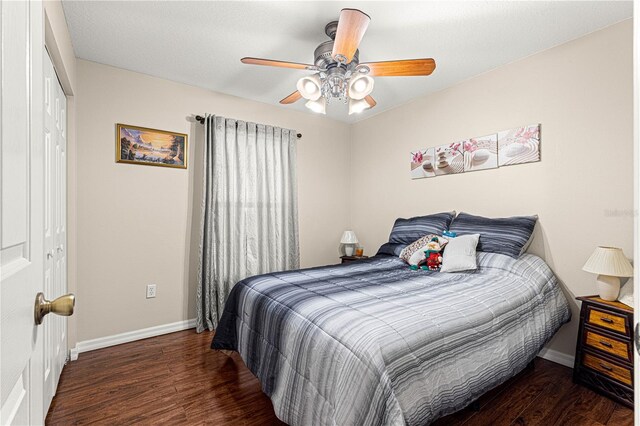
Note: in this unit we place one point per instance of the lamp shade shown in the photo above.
(356, 106)
(360, 86)
(609, 261)
(318, 106)
(349, 237)
(310, 87)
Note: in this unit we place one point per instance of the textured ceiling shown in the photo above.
(201, 43)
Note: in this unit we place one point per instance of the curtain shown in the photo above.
(249, 222)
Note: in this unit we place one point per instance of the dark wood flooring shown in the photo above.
(176, 379)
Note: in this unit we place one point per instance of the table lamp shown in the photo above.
(609, 263)
(349, 240)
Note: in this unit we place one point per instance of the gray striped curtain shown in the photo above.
(249, 222)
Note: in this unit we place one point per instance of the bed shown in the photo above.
(375, 343)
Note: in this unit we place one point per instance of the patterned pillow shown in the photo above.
(414, 252)
(509, 235)
(406, 231)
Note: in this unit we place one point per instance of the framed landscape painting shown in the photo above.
(150, 147)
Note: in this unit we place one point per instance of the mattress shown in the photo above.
(375, 343)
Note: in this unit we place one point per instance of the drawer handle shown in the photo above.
(607, 320)
(606, 367)
(607, 344)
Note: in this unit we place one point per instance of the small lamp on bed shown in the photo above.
(609, 263)
(349, 240)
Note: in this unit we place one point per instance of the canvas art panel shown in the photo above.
(449, 159)
(423, 163)
(151, 147)
(520, 145)
(481, 153)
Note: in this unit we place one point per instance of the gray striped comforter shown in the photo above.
(374, 343)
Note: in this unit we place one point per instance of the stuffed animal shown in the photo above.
(433, 258)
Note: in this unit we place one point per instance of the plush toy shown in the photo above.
(433, 258)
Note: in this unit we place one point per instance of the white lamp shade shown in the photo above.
(358, 105)
(318, 106)
(349, 237)
(609, 261)
(360, 86)
(310, 87)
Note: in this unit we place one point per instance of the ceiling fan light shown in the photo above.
(318, 105)
(309, 86)
(360, 86)
(356, 106)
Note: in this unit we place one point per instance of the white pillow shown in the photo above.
(460, 254)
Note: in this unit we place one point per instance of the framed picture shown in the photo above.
(519, 145)
(481, 153)
(449, 159)
(423, 163)
(150, 147)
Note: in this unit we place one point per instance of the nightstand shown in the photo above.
(604, 352)
(347, 259)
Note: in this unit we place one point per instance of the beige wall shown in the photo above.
(137, 224)
(581, 93)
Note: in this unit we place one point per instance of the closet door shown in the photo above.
(55, 235)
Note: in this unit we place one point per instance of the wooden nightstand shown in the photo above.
(604, 352)
(347, 259)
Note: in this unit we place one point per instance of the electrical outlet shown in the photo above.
(151, 291)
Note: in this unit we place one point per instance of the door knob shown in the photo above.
(63, 305)
(637, 337)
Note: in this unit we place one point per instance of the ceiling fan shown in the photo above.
(339, 75)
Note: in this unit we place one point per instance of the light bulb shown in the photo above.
(310, 87)
(359, 86)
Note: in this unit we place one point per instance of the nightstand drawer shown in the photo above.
(607, 320)
(615, 347)
(616, 372)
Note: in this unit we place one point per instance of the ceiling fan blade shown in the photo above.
(351, 27)
(273, 63)
(372, 102)
(295, 96)
(401, 68)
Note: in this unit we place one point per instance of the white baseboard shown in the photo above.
(557, 357)
(73, 354)
(130, 336)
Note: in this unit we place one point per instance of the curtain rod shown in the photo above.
(201, 120)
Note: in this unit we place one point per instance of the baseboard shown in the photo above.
(130, 336)
(73, 354)
(557, 357)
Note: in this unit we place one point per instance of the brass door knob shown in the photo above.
(63, 305)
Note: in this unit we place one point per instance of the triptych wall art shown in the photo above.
(515, 146)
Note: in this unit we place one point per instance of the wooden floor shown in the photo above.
(176, 379)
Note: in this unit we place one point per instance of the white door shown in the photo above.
(55, 268)
(636, 204)
(22, 211)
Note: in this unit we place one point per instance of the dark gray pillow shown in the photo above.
(507, 235)
(391, 249)
(406, 231)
